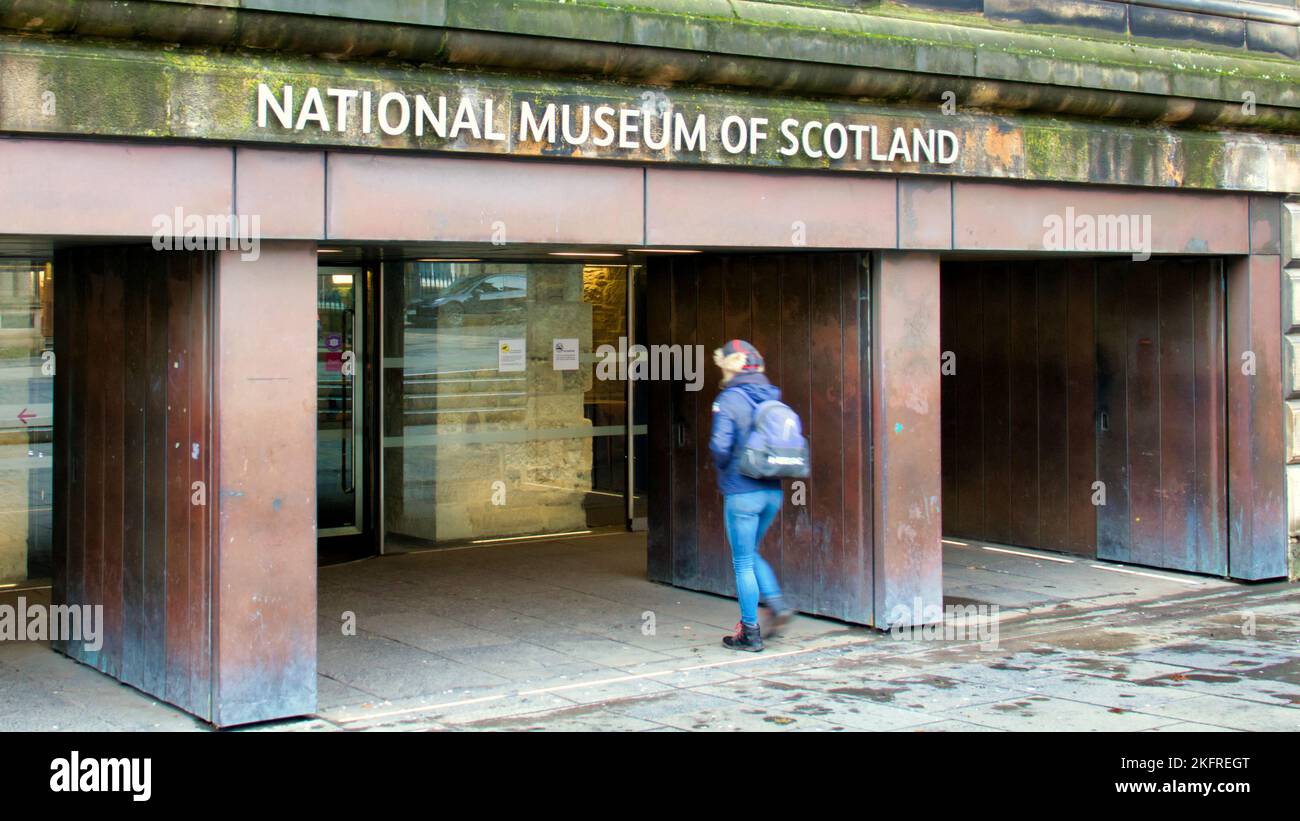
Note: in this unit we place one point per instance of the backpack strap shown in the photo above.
(755, 416)
(748, 423)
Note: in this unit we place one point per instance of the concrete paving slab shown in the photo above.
(584, 718)
(331, 694)
(1232, 713)
(949, 726)
(550, 634)
(391, 669)
(1190, 727)
(1226, 656)
(1036, 713)
(409, 716)
(908, 690)
(850, 710)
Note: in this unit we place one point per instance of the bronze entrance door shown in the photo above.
(1161, 414)
(807, 314)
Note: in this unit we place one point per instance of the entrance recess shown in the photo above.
(1085, 409)
(339, 401)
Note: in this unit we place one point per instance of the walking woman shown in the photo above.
(749, 505)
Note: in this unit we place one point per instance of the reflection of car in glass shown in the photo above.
(484, 294)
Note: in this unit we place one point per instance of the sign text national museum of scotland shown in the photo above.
(653, 126)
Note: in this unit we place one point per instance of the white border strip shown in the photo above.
(1029, 555)
(1150, 575)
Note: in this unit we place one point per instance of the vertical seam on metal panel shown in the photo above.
(214, 474)
(1227, 348)
(1095, 272)
(878, 593)
(952, 215)
(867, 499)
(1038, 411)
(898, 214)
(234, 181)
(1221, 284)
(629, 435)
(982, 485)
(845, 529)
(1066, 325)
(378, 386)
(325, 195)
(645, 206)
(670, 413)
(1128, 422)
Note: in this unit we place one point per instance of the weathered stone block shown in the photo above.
(1163, 24)
(1291, 232)
(1291, 356)
(950, 5)
(1272, 38)
(1291, 300)
(1293, 511)
(1079, 15)
(1293, 433)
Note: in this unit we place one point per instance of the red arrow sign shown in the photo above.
(24, 415)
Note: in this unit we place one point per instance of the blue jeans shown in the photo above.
(748, 516)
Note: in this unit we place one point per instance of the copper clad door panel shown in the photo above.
(1162, 415)
(807, 314)
(133, 400)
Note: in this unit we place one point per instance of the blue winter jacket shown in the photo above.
(732, 419)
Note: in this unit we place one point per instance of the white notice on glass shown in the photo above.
(565, 354)
(510, 355)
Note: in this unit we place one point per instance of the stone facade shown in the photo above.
(1291, 389)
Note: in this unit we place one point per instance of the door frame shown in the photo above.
(360, 393)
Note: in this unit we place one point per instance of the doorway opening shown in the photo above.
(1084, 408)
(459, 402)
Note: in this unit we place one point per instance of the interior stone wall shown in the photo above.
(537, 444)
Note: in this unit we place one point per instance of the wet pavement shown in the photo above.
(568, 635)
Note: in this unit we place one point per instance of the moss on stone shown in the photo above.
(119, 89)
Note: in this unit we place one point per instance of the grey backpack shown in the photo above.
(775, 445)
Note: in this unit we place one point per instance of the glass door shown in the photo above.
(504, 413)
(339, 401)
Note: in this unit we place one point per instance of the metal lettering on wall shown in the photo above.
(601, 128)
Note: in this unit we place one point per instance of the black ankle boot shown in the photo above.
(745, 638)
(773, 616)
